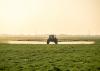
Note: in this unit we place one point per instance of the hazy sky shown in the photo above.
(50, 16)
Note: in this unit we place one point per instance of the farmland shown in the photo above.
(27, 57)
(42, 57)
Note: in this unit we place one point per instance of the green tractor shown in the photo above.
(52, 38)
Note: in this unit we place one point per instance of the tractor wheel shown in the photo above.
(48, 41)
(56, 41)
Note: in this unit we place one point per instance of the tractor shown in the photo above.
(52, 38)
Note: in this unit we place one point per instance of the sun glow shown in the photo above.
(49, 16)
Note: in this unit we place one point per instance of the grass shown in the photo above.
(49, 57)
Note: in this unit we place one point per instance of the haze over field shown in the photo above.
(50, 16)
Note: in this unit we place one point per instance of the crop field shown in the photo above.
(27, 57)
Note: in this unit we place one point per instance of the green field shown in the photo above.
(49, 57)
